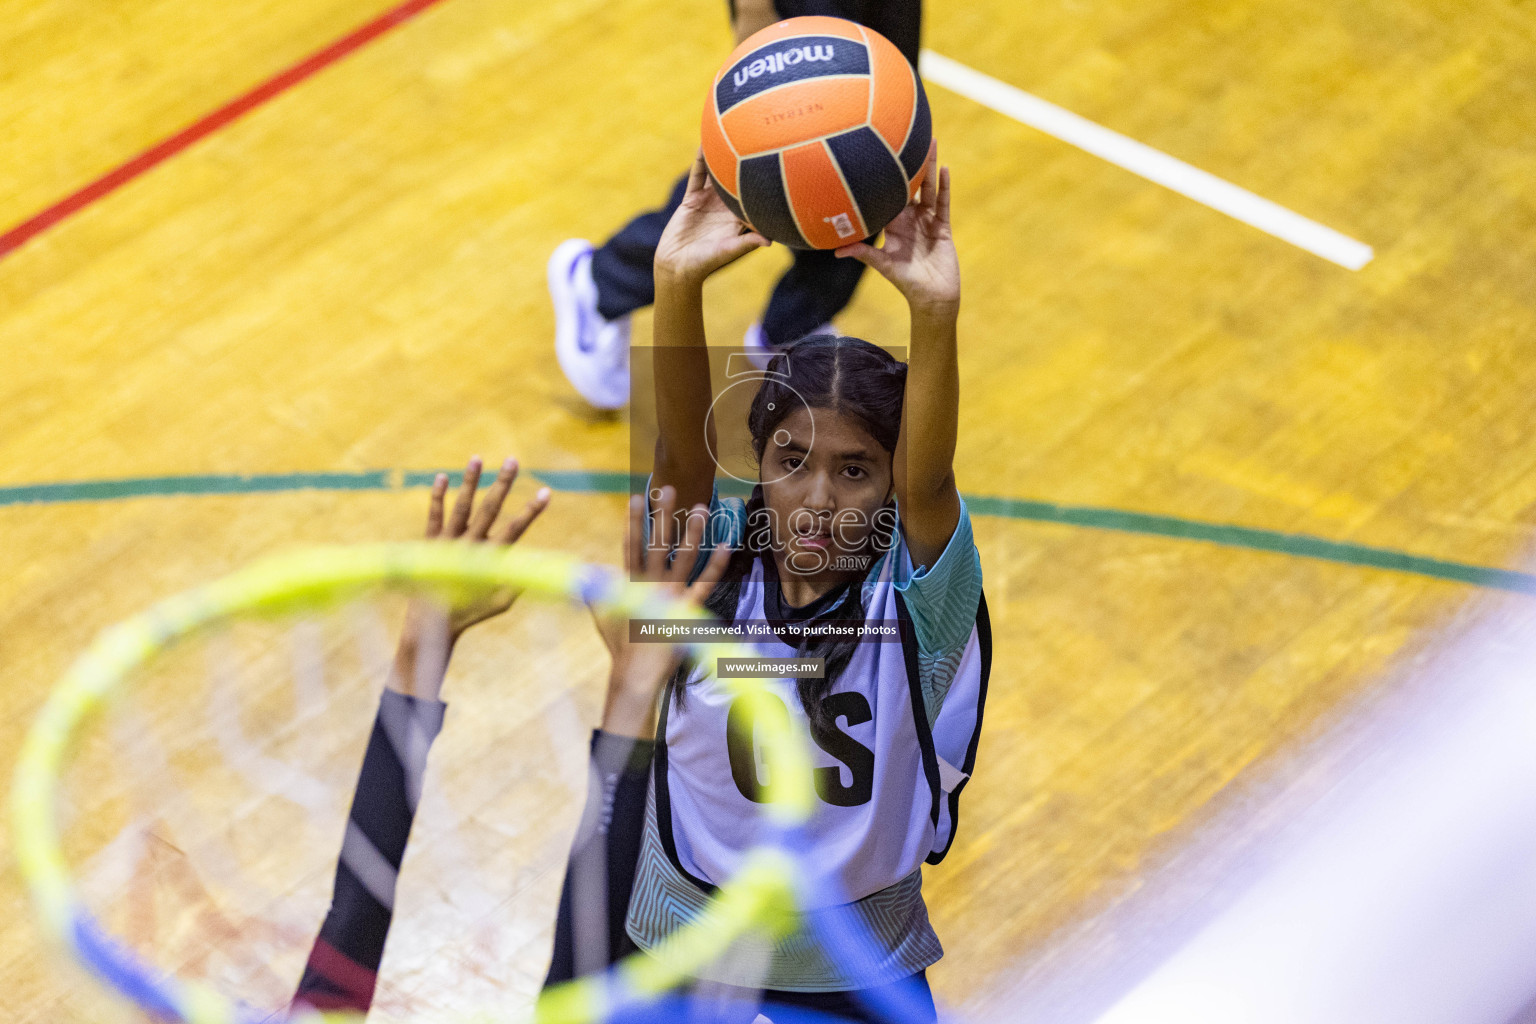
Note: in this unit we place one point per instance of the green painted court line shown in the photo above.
(598, 482)
(584, 481)
(1298, 544)
(219, 483)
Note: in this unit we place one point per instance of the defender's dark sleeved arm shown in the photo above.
(600, 874)
(343, 965)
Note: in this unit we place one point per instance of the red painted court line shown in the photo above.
(167, 148)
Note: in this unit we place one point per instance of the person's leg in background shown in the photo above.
(816, 287)
(900, 21)
(622, 269)
(594, 292)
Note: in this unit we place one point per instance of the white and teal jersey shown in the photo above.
(907, 720)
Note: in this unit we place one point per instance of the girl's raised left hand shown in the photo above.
(918, 256)
(639, 670)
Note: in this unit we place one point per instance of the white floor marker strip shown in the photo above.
(1407, 895)
(1149, 163)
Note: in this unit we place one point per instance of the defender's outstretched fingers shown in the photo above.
(459, 518)
(662, 541)
(702, 587)
(634, 542)
(435, 506)
(490, 507)
(519, 523)
(944, 195)
(688, 550)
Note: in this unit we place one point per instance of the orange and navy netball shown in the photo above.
(816, 132)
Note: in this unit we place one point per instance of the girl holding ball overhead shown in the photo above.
(596, 290)
(855, 517)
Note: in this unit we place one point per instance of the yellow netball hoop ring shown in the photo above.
(760, 896)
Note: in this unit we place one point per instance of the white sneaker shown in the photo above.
(755, 343)
(593, 352)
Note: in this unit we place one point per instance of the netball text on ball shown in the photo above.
(776, 62)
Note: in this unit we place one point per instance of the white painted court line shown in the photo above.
(1142, 159)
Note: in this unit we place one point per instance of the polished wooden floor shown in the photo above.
(351, 277)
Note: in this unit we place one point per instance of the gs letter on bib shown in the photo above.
(741, 746)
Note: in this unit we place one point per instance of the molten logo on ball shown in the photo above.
(776, 62)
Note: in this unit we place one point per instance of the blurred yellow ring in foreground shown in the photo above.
(761, 895)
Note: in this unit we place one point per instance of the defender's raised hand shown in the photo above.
(703, 235)
(431, 629)
(476, 524)
(640, 670)
(470, 524)
(918, 256)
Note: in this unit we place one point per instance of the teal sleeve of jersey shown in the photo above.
(942, 600)
(727, 524)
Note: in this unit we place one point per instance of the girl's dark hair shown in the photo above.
(842, 375)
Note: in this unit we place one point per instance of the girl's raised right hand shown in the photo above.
(703, 235)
